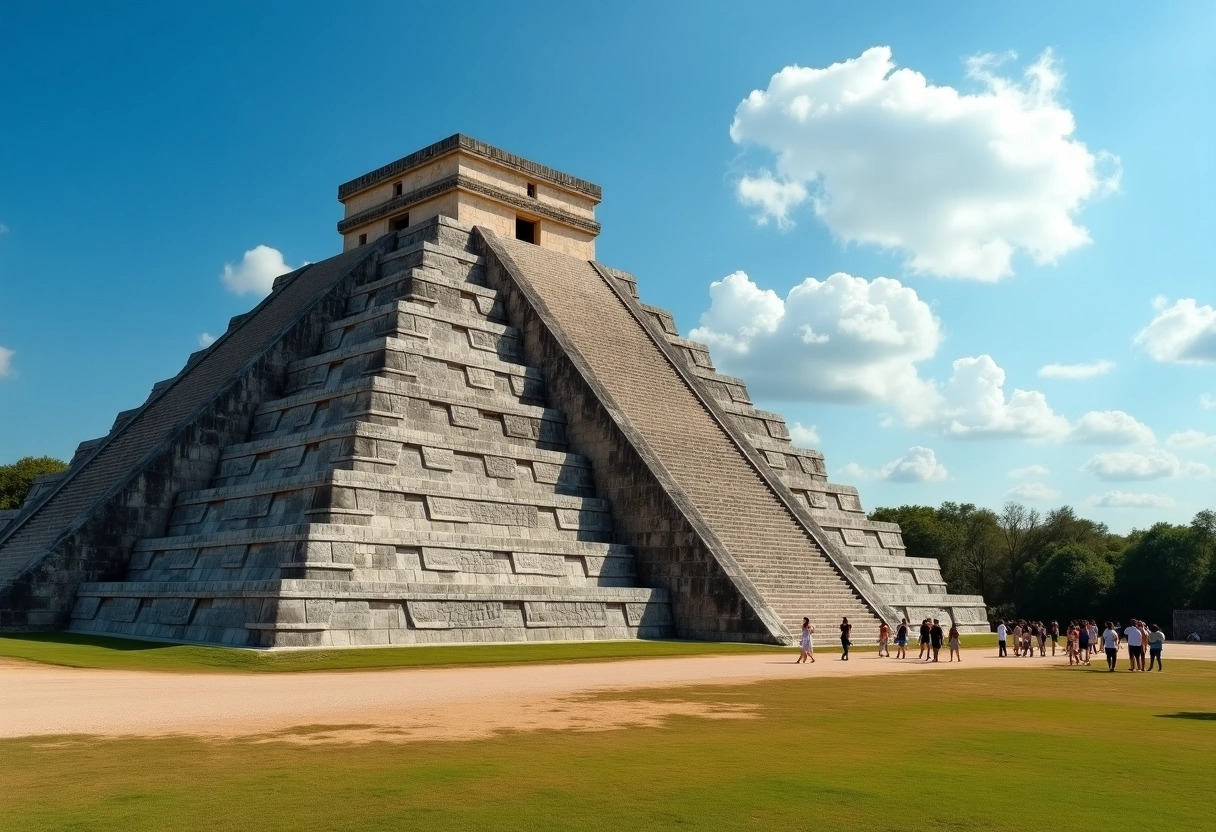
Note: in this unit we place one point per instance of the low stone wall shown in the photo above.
(1194, 621)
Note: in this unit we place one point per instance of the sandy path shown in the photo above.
(416, 704)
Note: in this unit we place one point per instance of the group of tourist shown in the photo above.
(1026, 634)
(931, 638)
(1081, 641)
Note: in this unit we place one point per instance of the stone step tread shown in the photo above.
(466, 355)
(534, 543)
(392, 433)
(439, 314)
(430, 247)
(312, 588)
(392, 483)
(493, 402)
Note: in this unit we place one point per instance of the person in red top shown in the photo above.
(884, 635)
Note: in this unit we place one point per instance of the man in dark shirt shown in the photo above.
(924, 640)
(935, 638)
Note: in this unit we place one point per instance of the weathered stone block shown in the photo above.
(599, 521)
(479, 378)
(558, 614)
(500, 467)
(520, 426)
(123, 610)
(444, 615)
(463, 560)
(469, 511)
(527, 563)
(465, 417)
(855, 537)
(86, 607)
(648, 615)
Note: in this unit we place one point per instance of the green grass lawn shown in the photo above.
(72, 650)
(1055, 749)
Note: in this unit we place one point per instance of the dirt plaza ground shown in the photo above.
(421, 703)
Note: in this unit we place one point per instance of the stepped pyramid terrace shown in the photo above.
(462, 428)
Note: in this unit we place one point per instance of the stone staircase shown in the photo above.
(411, 484)
(744, 507)
(913, 587)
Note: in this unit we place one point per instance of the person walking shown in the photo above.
(1110, 641)
(1083, 642)
(935, 638)
(1071, 644)
(846, 630)
(1135, 646)
(1143, 642)
(1041, 635)
(1001, 632)
(901, 639)
(1054, 632)
(955, 653)
(924, 640)
(808, 646)
(884, 635)
(1156, 641)
(1017, 640)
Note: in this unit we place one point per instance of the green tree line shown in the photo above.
(16, 479)
(1059, 566)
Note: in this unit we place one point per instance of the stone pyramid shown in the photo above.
(460, 429)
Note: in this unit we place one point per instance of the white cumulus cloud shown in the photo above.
(774, 198)
(1076, 371)
(841, 339)
(1111, 427)
(848, 339)
(256, 272)
(1033, 491)
(1030, 471)
(206, 339)
(1181, 333)
(1207, 401)
(976, 406)
(804, 436)
(1186, 439)
(6, 362)
(958, 181)
(919, 464)
(1123, 499)
(1155, 464)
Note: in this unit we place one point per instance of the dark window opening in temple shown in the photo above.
(532, 190)
(397, 189)
(400, 222)
(362, 239)
(525, 230)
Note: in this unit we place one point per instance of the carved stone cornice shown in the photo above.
(458, 181)
(476, 148)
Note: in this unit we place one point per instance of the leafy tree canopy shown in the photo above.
(16, 479)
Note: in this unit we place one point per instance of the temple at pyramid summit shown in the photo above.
(463, 428)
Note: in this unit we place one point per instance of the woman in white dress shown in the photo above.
(808, 646)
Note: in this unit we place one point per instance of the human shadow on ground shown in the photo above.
(1202, 716)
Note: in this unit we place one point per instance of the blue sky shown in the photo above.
(1034, 182)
